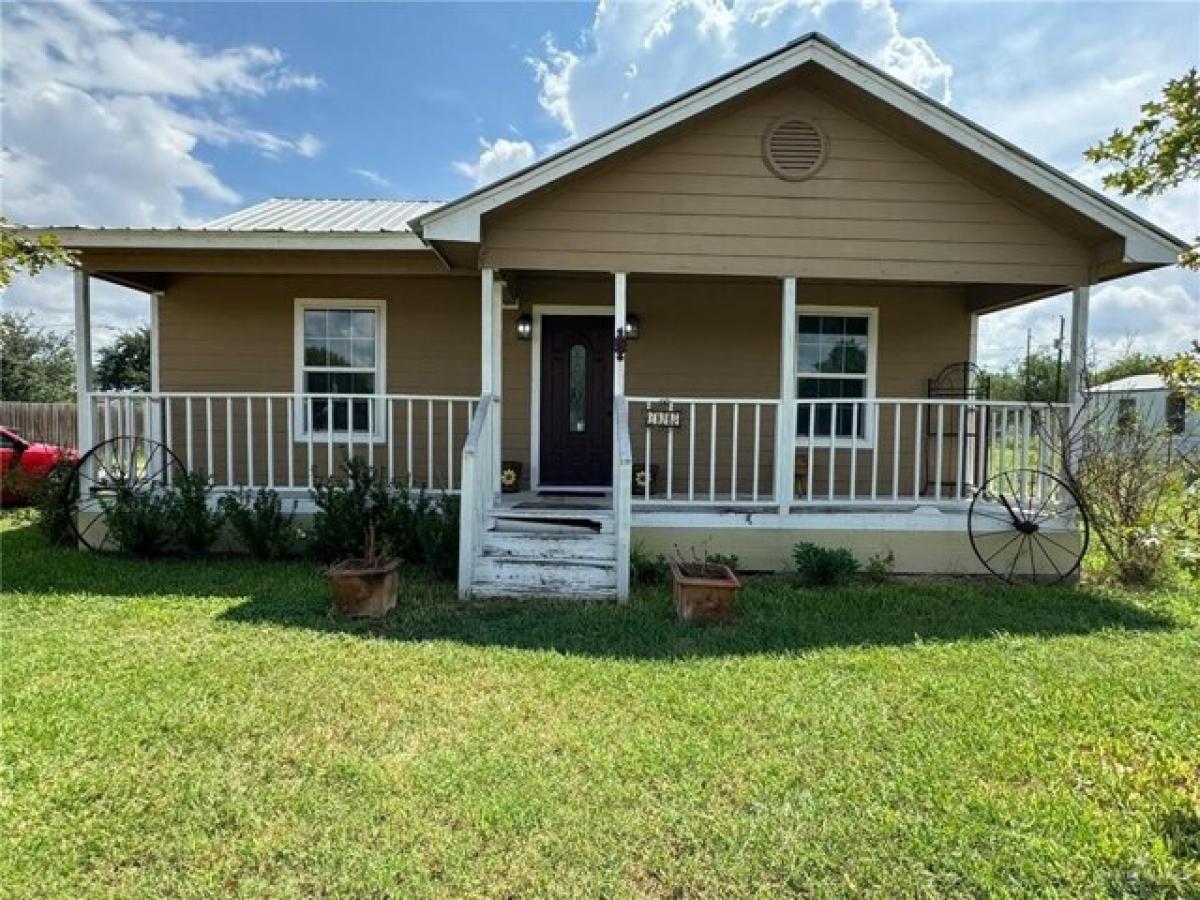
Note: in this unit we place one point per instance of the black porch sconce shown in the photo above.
(524, 327)
(631, 332)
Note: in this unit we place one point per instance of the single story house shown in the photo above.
(744, 318)
(1148, 400)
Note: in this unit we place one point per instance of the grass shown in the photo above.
(204, 729)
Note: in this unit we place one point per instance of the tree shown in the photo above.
(124, 365)
(1159, 152)
(1032, 379)
(36, 365)
(1133, 362)
(1182, 374)
(20, 254)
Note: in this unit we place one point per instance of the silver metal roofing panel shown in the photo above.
(324, 216)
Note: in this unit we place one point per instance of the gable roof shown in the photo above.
(1148, 382)
(1144, 243)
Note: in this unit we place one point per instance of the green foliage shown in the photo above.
(28, 255)
(729, 560)
(351, 506)
(648, 571)
(36, 365)
(263, 528)
(880, 567)
(818, 566)
(1161, 150)
(1182, 374)
(400, 527)
(437, 534)
(1032, 379)
(55, 499)
(140, 522)
(124, 365)
(195, 523)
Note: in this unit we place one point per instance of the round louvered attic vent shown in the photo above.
(793, 148)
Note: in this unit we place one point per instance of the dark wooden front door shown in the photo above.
(576, 413)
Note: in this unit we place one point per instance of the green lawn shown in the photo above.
(203, 729)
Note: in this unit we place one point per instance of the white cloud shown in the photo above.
(372, 176)
(496, 159)
(103, 119)
(658, 49)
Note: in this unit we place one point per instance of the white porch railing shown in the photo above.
(478, 481)
(264, 439)
(872, 451)
(622, 492)
(723, 451)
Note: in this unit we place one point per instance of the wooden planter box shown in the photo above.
(708, 599)
(363, 590)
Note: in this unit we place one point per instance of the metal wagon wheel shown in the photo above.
(123, 463)
(1028, 525)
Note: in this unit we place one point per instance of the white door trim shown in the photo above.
(535, 387)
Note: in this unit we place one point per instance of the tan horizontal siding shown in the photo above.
(703, 201)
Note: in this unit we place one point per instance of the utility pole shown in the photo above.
(1058, 345)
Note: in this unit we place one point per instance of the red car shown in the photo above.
(24, 464)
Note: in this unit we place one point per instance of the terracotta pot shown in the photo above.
(363, 588)
(707, 599)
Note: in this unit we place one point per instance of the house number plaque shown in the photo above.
(664, 418)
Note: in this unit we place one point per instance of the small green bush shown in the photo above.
(140, 522)
(647, 571)
(258, 519)
(880, 567)
(437, 533)
(349, 506)
(823, 566)
(195, 523)
(55, 499)
(729, 560)
(400, 527)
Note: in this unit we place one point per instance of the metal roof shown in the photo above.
(1149, 382)
(347, 216)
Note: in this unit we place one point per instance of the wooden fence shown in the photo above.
(53, 423)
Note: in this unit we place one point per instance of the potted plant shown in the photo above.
(703, 589)
(364, 587)
(510, 477)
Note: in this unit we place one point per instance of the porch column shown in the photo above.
(785, 416)
(1076, 369)
(83, 360)
(620, 314)
(491, 372)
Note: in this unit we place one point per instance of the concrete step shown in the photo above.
(519, 577)
(550, 546)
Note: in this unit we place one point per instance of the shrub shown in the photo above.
(196, 525)
(349, 507)
(258, 519)
(139, 522)
(729, 560)
(880, 567)
(823, 566)
(437, 533)
(55, 500)
(647, 571)
(400, 527)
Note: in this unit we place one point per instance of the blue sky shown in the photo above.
(164, 114)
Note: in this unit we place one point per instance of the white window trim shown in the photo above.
(379, 307)
(871, 313)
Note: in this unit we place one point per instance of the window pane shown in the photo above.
(340, 323)
(848, 417)
(810, 325)
(339, 353)
(856, 325)
(577, 388)
(314, 324)
(364, 352)
(808, 357)
(833, 325)
(364, 324)
(1176, 413)
(316, 355)
(316, 382)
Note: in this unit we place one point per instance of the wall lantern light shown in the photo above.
(633, 327)
(524, 327)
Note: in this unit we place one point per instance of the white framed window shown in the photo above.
(835, 359)
(339, 367)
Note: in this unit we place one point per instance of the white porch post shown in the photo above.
(620, 314)
(490, 374)
(83, 360)
(1080, 301)
(497, 381)
(785, 416)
